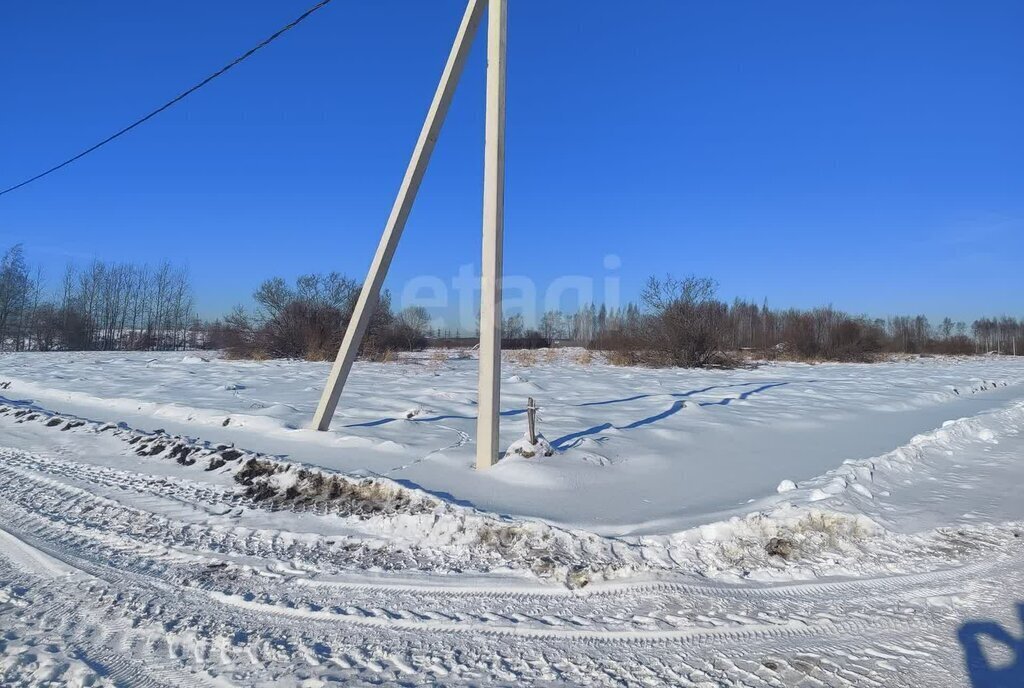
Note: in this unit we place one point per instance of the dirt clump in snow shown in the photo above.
(502, 538)
(278, 485)
(779, 547)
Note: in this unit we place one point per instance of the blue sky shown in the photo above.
(866, 154)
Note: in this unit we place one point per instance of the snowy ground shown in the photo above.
(167, 519)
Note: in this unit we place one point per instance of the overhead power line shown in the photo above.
(181, 96)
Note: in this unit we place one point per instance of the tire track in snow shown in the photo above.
(133, 604)
(121, 578)
(71, 496)
(67, 543)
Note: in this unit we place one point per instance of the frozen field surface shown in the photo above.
(169, 519)
(641, 451)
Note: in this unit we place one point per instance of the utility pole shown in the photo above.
(489, 383)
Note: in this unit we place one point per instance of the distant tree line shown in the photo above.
(683, 323)
(102, 306)
(1001, 335)
(680, 321)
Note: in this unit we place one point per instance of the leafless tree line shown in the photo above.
(1002, 335)
(683, 323)
(102, 306)
(308, 320)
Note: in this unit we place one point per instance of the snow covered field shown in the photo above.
(168, 519)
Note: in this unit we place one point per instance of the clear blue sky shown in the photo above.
(867, 154)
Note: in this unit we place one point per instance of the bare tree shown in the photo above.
(513, 327)
(16, 289)
(687, 325)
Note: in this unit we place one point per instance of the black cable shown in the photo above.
(174, 100)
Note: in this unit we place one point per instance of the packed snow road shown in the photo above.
(131, 556)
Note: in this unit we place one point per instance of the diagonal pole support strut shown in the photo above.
(369, 295)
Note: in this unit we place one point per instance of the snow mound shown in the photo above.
(415, 412)
(523, 447)
(787, 543)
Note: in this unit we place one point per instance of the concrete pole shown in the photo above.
(494, 214)
(370, 293)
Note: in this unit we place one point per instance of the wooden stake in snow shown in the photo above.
(531, 420)
(532, 443)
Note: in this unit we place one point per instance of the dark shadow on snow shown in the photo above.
(672, 410)
(729, 400)
(981, 670)
(615, 401)
(672, 394)
(440, 494)
(567, 441)
(427, 419)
